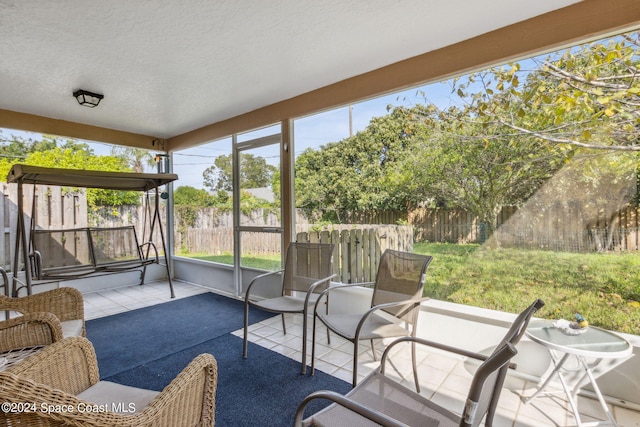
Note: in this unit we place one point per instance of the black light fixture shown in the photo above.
(88, 99)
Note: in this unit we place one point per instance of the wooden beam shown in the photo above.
(22, 121)
(583, 21)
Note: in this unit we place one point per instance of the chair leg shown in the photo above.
(326, 310)
(373, 350)
(313, 345)
(284, 327)
(246, 327)
(491, 412)
(355, 364)
(415, 370)
(304, 342)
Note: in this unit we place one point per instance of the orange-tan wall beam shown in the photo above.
(22, 121)
(582, 21)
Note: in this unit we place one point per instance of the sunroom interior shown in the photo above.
(177, 75)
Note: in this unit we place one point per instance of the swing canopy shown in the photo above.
(28, 174)
(81, 252)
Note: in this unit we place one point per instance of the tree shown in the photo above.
(583, 102)
(359, 172)
(191, 196)
(80, 156)
(136, 158)
(255, 172)
(457, 166)
(16, 147)
(587, 97)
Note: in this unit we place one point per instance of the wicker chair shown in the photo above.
(65, 303)
(30, 330)
(61, 384)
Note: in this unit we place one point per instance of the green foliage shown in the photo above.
(250, 203)
(254, 172)
(15, 147)
(358, 173)
(579, 107)
(137, 159)
(74, 155)
(477, 167)
(512, 132)
(603, 287)
(191, 196)
(186, 216)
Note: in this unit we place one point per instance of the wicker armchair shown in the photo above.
(30, 330)
(61, 384)
(67, 304)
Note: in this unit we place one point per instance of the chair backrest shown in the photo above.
(400, 277)
(305, 264)
(519, 325)
(512, 337)
(485, 383)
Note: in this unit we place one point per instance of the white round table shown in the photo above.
(594, 343)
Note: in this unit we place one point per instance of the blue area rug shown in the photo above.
(148, 347)
(124, 341)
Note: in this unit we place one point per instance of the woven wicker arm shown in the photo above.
(30, 330)
(66, 303)
(55, 375)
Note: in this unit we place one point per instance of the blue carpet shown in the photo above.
(126, 340)
(262, 390)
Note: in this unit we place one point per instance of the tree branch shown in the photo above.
(571, 141)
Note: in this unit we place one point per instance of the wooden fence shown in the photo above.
(357, 250)
(560, 226)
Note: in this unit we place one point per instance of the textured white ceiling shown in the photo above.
(166, 67)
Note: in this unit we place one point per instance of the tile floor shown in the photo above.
(445, 379)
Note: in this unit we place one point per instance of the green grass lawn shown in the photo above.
(605, 287)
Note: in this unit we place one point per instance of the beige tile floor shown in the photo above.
(444, 378)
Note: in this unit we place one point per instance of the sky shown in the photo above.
(312, 131)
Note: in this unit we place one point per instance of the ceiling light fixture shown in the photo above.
(88, 99)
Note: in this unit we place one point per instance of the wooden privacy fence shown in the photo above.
(356, 254)
(451, 225)
(357, 250)
(559, 226)
(54, 208)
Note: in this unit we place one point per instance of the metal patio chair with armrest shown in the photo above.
(385, 401)
(307, 271)
(395, 305)
(60, 386)
(380, 400)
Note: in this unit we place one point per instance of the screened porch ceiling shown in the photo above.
(175, 73)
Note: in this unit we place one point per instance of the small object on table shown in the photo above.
(582, 322)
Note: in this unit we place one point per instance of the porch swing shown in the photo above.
(76, 253)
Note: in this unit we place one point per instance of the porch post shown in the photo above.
(287, 161)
